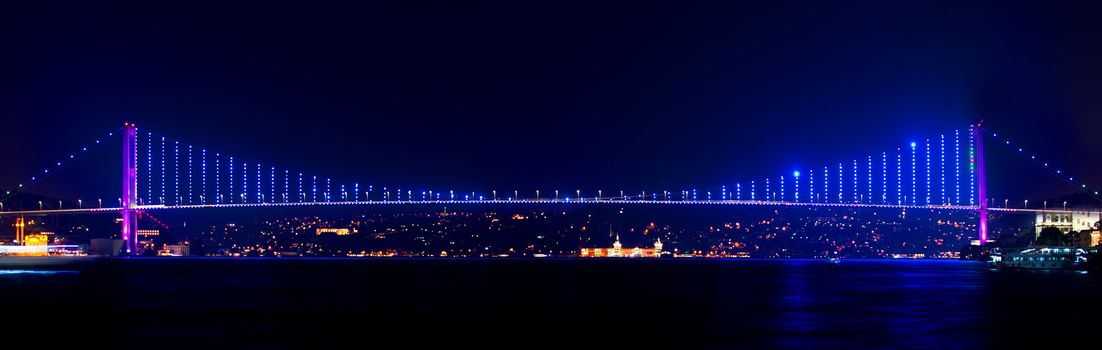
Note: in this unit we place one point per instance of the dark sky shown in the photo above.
(525, 94)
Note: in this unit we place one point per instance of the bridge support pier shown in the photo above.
(981, 181)
(129, 189)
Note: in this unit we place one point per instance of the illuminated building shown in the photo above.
(617, 251)
(1067, 222)
(175, 250)
(337, 231)
(149, 233)
(35, 245)
(1089, 238)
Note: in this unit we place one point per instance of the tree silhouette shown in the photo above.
(1050, 236)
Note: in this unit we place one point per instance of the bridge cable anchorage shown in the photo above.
(1048, 168)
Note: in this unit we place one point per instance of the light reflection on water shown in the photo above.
(36, 272)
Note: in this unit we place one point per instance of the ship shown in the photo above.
(1046, 258)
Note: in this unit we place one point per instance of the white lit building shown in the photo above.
(1067, 222)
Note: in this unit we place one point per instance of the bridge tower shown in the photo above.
(981, 181)
(129, 188)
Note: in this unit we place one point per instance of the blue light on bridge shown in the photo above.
(229, 180)
(796, 184)
(190, 168)
(149, 166)
(768, 194)
(928, 191)
(856, 192)
(956, 164)
(244, 182)
(898, 176)
(176, 173)
(162, 170)
(869, 196)
(944, 193)
(782, 189)
(914, 176)
(811, 185)
(218, 178)
(203, 192)
(841, 181)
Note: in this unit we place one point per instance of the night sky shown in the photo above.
(526, 95)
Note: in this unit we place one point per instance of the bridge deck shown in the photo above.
(591, 201)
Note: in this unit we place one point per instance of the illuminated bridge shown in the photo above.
(158, 173)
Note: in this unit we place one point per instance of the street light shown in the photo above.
(100, 201)
(80, 204)
(39, 205)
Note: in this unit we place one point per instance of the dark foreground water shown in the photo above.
(265, 303)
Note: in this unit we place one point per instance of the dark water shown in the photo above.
(264, 303)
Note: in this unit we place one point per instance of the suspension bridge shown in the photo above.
(159, 173)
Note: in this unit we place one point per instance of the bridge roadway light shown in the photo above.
(495, 194)
(39, 205)
(80, 204)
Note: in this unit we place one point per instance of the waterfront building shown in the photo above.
(617, 251)
(175, 250)
(1067, 222)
